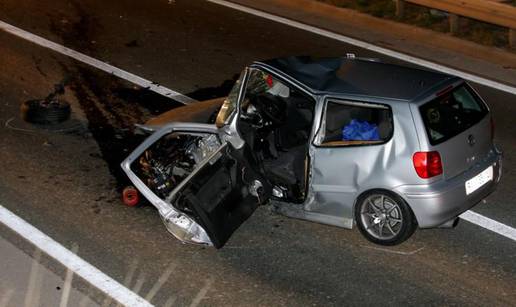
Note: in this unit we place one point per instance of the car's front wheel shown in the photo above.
(384, 218)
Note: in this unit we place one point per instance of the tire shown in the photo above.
(34, 111)
(384, 218)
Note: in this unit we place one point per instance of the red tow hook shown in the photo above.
(130, 196)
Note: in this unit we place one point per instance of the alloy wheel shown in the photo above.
(381, 216)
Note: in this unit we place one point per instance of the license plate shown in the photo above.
(479, 180)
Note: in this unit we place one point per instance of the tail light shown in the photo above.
(427, 164)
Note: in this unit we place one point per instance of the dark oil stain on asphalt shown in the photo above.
(132, 44)
(111, 107)
(76, 34)
(109, 121)
(153, 102)
(214, 92)
(112, 110)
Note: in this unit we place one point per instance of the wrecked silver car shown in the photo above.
(339, 141)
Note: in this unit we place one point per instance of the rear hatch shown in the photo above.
(459, 127)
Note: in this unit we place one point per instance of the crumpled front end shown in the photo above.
(161, 166)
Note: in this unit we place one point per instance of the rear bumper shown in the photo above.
(439, 202)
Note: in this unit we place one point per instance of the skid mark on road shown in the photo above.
(392, 251)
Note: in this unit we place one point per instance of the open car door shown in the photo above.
(203, 188)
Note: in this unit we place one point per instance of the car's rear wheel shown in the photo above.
(384, 218)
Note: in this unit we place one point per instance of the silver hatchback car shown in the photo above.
(339, 141)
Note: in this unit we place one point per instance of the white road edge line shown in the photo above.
(96, 63)
(490, 224)
(74, 263)
(365, 45)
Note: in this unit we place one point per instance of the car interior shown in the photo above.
(276, 121)
(339, 115)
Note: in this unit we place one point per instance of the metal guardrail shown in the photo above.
(488, 11)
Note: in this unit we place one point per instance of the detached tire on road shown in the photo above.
(384, 218)
(35, 111)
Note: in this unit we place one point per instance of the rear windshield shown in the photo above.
(452, 113)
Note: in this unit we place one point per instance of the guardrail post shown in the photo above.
(512, 38)
(400, 8)
(454, 23)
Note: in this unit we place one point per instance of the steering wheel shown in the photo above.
(272, 108)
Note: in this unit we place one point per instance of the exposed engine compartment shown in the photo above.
(171, 159)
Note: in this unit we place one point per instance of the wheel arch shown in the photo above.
(383, 190)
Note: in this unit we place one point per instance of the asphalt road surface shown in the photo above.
(66, 181)
(30, 278)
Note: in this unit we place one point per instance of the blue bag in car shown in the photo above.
(358, 130)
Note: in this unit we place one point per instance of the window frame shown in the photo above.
(280, 77)
(293, 85)
(473, 94)
(321, 134)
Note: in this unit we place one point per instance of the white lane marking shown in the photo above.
(202, 293)
(35, 280)
(68, 282)
(170, 302)
(159, 283)
(129, 276)
(96, 63)
(88, 272)
(365, 45)
(490, 224)
(139, 282)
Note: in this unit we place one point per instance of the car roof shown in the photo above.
(358, 77)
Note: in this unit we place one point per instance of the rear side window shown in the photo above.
(349, 123)
(452, 113)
